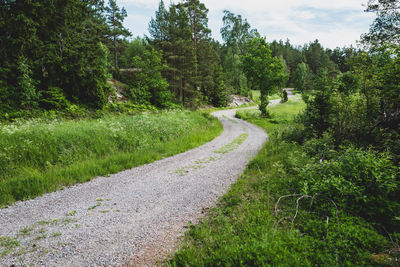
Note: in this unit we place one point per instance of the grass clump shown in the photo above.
(8, 245)
(232, 145)
(39, 157)
(307, 227)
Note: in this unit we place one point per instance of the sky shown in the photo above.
(335, 23)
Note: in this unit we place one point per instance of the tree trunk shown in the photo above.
(115, 52)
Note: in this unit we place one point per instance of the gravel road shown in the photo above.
(131, 218)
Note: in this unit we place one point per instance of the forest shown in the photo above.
(333, 152)
(75, 58)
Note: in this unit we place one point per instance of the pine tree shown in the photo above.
(115, 17)
(61, 42)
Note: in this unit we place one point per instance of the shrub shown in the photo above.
(361, 182)
(284, 97)
(53, 98)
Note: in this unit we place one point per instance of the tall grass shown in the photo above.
(39, 157)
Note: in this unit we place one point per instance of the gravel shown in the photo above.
(134, 217)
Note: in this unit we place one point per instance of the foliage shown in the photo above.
(193, 73)
(250, 227)
(300, 77)
(317, 116)
(115, 17)
(360, 182)
(148, 85)
(284, 96)
(61, 49)
(134, 48)
(265, 72)
(54, 98)
(386, 26)
(293, 56)
(236, 31)
(26, 85)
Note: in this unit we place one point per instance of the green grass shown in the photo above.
(244, 229)
(39, 157)
(232, 145)
(281, 114)
(7, 245)
(257, 95)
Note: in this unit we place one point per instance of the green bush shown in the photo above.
(361, 182)
(53, 98)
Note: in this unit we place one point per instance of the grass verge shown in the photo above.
(262, 222)
(38, 157)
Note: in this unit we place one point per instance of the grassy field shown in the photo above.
(39, 157)
(253, 226)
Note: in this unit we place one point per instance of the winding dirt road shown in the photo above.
(131, 218)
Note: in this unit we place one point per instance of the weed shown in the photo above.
(72, 213)
(8, 245)
(232, 145)
(25, 231)
(44, 222)
(55, 234)
(207, 160)
(67, 220)
(41, 236)
(95, 206)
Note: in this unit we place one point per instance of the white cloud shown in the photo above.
(334, 22)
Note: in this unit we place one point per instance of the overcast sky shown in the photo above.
(333, 22)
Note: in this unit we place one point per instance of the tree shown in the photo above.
(234, 76)
(26, 85)
(61, 42)
(292, 56)
(264, 71)
(115, 17)
(386, 27)
(236, 31)
(192, 57)
(300, 76)
(148, 85)
(159, 27)
(136, 47)
(198, 21)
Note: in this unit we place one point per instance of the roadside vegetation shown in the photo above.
(40, 156)
(301, 203)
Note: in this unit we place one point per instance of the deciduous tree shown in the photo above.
(264, 71)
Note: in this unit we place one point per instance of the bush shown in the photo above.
(361, 182)
(294, 132)
(284, 97)
(53, 98)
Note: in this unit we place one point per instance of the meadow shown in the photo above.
(39, 156)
